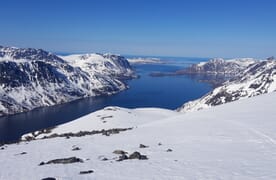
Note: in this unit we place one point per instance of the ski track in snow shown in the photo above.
(258, 133)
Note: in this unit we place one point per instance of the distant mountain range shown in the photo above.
(31, 78)
(258, 78)
(147, 60)
(215, 71)
(219, 66)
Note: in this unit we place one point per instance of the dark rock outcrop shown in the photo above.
(137, 155)
(121, 152)
(69, 160)
(143, 146)
(86, 172)
(49, 178)
(104, 132)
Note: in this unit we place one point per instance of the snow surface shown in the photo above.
(231, 141)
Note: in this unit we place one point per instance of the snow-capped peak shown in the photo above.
(14, 53)
(230, 67)
(31, 78)
(258, 78)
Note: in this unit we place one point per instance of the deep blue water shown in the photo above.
(165, 92)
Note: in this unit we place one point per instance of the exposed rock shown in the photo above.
(143, 146)
(111, 108)
(63, 161)
(49, 178)
(86, 172)
(105, 117)
(107, 132)
(121, 152)
(33, 135)
(159, 144)
(122, 157)
(21, 153)
(76, 149)
(104, 159)
(169, 150)
(137, 155)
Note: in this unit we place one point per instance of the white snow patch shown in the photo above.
(232, 141)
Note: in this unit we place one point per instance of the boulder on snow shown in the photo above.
(143, 146)
(86, 172)
(122, 157)
(49, 178)
(121, 152)
(137, 155)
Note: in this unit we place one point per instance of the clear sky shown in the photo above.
(198, 28)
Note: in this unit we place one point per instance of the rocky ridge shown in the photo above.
(31, 78)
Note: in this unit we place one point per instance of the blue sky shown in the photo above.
(198, 28)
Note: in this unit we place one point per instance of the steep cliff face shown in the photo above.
(258, 78)
(31, 78)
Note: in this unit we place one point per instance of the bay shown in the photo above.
(165, 92)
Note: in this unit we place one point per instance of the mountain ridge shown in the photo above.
(258, 78)
(31, 78)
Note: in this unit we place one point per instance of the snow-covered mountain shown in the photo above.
(215, 71)
(31, 78)
(220, 66)
(24, 54)
(147, 60)
(104, 64)
(258, 78)
(232, 141)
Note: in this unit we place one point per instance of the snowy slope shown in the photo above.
(104, 64)
(258, 78)
(220, 66)
(31, 78)
(232, 141)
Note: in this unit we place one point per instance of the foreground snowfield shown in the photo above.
(231, 141)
